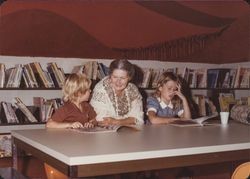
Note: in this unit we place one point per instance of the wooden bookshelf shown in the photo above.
(68, 64)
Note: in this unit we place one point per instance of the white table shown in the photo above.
(155, 147)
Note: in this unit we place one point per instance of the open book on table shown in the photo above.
(112, 128)
(201, 121)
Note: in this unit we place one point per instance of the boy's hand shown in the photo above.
(92, 123)
(75, 125)
(88, 125)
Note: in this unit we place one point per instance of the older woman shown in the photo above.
(115, 99)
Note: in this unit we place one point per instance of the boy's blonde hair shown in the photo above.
(73, 85)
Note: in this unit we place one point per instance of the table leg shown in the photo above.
(14, 155)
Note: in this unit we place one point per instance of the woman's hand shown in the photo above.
(107, 121)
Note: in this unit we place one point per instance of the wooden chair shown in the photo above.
(242, 171)
(52, 173)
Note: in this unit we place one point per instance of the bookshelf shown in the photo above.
(213, 93)
(67, 64)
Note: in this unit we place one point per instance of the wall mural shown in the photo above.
(197, 31)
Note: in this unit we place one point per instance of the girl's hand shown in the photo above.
(75, 125)
(179, 93)
(178, 87)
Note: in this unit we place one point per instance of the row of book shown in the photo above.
(228, 78)
(205, 106)
(202, 77)
(43, 108)
(145, 77)
(93, 70)
(41, 111)
(218, 78)
(31, 75)
(151, 76)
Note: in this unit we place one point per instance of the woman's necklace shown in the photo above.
(118, 111)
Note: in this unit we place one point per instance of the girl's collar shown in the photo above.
(164, 105)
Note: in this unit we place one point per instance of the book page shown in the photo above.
(194, 122)
(102, 129)
(185, 123)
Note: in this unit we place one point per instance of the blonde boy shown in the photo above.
(76, 111)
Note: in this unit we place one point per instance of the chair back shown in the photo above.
(242, 171)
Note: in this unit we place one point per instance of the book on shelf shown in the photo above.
(244, 100)
(49, 79)
(54, 76)
(195, 78)
(107, 129)
(226, 100)
(245, 79)
(7, 113)
(232, 77)
(25, 110)
(30, 76)
(173, 70)
(192, 78)
(156, 73)
(197, 122)
(201, 78)
(14, 78)
(223, 78)
(46, 106)
(24, 81)
(23, 119)
(90, 69)
(39, 103)
(2, 75)
(102, 70)
(185, 74)
(39, 74)
(10, 75)
(57, 74)
(218, 78)
(5, 145)
(242, 78)
(206, 106)
(147, 73)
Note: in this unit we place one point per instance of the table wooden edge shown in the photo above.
(88, 170)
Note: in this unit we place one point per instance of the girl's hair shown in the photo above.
(122, 64)
(73, 85)
(163, 79)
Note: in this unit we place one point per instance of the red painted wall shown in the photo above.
(147, 30)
